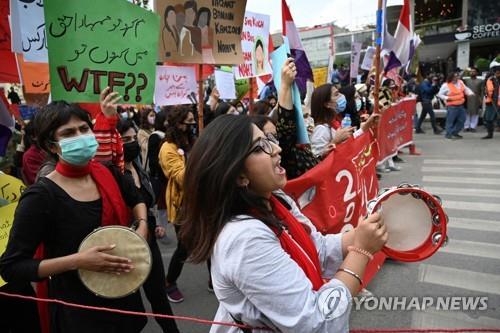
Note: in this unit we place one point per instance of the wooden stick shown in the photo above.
(250, 105)
(200, 97)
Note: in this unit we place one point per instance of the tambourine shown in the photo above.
(415, 220)
(128, 244)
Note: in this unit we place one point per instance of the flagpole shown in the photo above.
(378, 42)
(200, 97)
(250, 105)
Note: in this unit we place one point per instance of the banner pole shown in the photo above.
(200, 98)
(378, 42)
(250, 105)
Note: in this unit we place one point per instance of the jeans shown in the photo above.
(455, 119)
(155, 288)
(427, 109)
(490, 115)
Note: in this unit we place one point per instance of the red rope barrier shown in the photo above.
(209, 322)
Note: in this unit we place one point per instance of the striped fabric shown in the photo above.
(110, 150)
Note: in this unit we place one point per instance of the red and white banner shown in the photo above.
(333, 195)
(396, 128)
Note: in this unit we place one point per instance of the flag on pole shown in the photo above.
(399, 53)
(304, 71)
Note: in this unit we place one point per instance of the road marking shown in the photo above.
(462, 162)
(459, 278)
(475, 171)
(449, 319)
(460, 191)
(461, 180)
(474, 224)
(476, 206)
(475, 249)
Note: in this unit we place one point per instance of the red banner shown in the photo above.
(333, 195)
(8, 67)
(396, 128)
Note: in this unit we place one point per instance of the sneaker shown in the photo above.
(487, 137)
(473, 130)
(467, 129)
(394, 168)
(457, 136)
(438, 131)
(174, 295)
(449, 137)
(419, 131)
(398, 159)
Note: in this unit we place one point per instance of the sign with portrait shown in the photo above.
(255, 46)
(203, 31)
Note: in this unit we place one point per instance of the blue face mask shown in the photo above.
(78, 150)
(341, 104)
(124, 115)
(359, 104)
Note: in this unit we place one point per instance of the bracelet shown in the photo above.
(348, 271)
(360, 251)
(136, 223)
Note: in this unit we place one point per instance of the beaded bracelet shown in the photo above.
(348, 271)
(360, 251)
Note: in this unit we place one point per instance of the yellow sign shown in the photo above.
(6, 220)
(11, 188)
(320, 76)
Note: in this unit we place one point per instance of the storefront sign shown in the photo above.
(479, 32)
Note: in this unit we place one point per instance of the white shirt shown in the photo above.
(257, 282)
(322, 135)
(444, 90)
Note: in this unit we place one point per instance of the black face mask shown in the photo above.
(131, 150)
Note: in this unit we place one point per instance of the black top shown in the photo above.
(154, 145)
(47, 214)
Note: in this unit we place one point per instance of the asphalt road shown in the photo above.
(466, 174)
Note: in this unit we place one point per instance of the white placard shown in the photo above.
(175, 85)
(224, 81)
(355, 53)
(368, 59)
(31, 22)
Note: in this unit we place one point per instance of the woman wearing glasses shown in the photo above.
(270, 267)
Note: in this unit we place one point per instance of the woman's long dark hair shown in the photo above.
(211, 193)
(175, 117)
(320, 96)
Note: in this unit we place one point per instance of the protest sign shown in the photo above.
(94, 44)
(368, 59)
(242, 88)
(320, 76)
(278, 58)
(224, 81)
(34, 76)
(29, 17)
(6, 220)
(175, 85)
(255, 46)
(334, 194)
(203, 31)
(396, 128)
(15, 27)
(355, 54)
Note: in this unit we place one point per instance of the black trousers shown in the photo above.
(155, 289)
(427, 109)
(18, 315)
(178, 259)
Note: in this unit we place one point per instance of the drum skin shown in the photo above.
(408, 214)
(129, 245)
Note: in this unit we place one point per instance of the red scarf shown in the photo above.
(298, 244)
(114, 211)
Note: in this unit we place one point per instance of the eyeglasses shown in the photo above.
(264, 144)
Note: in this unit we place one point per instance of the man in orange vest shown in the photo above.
(492, 101)
(453, 92)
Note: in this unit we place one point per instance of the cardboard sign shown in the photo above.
(355, 54)
(224, 81)
(320, 75)
(176, 85)
(34, 75)
(203, 31)
(94, 44)
(255, 46)
(6, 220)
(27, 18)
(368, 59)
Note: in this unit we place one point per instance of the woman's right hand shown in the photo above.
(343, 134)
(371, 233)
(288, 72)
(95, 259)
